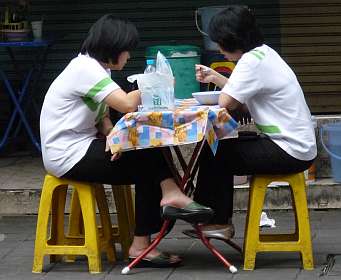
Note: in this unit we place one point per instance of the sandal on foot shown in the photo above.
(163, 260)
(222, 232)
(193, 213)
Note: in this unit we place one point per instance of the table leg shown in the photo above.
(214, 251)
(18, 110)
(155, 242)
(189, 173)
(191, 170)
(182, 181)
(37, 67)
(189, 187)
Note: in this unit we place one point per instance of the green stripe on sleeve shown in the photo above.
(98, 87)
(260, 52)
(256, 55)
(88, 98)
(268, 128)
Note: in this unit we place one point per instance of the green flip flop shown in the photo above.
(193, 213)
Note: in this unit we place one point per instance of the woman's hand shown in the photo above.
(116, 156)
(204, 74)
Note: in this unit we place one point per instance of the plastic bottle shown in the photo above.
(150, 68)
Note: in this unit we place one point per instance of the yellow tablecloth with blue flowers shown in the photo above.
(188, 123)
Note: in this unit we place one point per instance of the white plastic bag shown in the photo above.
(157, 88)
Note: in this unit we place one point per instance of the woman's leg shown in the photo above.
(214, 187)
(147, 216)
(146, 168)
(238, 157)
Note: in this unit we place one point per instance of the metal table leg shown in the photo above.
(189, 173)
(37, 71)
(18, 110)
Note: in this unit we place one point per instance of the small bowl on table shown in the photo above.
(207, 97)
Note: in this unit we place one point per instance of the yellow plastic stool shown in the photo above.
(76, 224)
(53, 198)
(122, 232)
(299, 241)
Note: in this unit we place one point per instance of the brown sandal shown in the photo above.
(163, 260)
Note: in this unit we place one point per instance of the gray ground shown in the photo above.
(17, 243)
(21, 178)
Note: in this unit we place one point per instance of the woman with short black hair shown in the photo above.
(109, 37)
(75, 112)
(265, 85)
(236, 30)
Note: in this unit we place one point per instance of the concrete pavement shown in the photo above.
(21, 178)
(18, 233)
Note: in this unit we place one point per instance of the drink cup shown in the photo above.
(37, 29)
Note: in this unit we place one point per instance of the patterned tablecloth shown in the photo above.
(189, 123)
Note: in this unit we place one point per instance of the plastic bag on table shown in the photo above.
(157, 88)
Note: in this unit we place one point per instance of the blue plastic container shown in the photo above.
(333, 147)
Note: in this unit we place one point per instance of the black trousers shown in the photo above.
(144, 168)
(238, 156)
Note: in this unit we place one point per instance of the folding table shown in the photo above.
(37, 51)
(189, 123)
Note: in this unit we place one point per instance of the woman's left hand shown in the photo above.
(116, 156)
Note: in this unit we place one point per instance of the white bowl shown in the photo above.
(207, 97)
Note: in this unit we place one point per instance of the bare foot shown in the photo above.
(172, 195)
(178, 200)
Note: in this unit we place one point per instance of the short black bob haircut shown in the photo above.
(108, 37)
(235, 28)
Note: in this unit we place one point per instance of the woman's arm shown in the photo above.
(123, 102)
(228, 102)
(205, 74)
(105, 125)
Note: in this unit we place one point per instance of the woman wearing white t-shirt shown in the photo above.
(263, 84)
(75, 112)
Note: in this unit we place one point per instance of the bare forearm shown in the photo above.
(105, 126)
(220, 80)
(122, 101)
(134, 98)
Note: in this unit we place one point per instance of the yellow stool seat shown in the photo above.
(299, 241)
(51, 240)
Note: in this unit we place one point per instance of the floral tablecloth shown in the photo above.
(188, 123)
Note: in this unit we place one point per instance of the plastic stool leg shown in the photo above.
(75, 227)
(256, 201)
(57, 220)
(91, 242)
(123, 202)
(304, 227)
(42, 227)
(103, 208)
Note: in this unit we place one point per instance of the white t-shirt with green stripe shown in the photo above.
(266, 84)
(72, 107)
